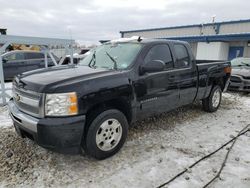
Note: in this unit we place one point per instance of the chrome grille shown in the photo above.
(235, 79)
(246, 77)
(28, 101)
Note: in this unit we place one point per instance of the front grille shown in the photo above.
(233, 87)
(28, 101)
(246, 77)
(235, 79)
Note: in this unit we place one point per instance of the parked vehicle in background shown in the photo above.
(76, 59)
(240, 78)
(19, 61)
(91, 105)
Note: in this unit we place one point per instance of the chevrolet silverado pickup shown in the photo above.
(89, 106)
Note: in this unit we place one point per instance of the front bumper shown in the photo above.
(240, 84)
(61, 134)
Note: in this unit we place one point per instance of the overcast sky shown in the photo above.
(93, 20)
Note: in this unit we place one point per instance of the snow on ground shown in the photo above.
(8, 87)
(156, 149)
(5, 121)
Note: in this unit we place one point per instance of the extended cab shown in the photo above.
(90, 106)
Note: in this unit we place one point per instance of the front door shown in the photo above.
(157, 92)
(34, 60)
(14, 64)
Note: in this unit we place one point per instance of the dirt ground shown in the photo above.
(156, 150)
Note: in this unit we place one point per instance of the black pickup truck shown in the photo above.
(90, 106)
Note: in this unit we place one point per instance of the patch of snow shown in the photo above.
(5, 120)
(156, 150)
(8, 86)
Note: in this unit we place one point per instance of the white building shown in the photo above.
(218, 40)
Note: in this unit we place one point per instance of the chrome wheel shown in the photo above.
(216, 98)
(109, 134)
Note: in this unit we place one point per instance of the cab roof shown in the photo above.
(143, 40)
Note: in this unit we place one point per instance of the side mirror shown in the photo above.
(152, 66)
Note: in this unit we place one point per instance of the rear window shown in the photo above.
(182, 56)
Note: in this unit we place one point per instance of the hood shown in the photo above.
(53, 77)
(245, 72)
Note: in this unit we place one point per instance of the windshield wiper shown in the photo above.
(92, 59)
(113, 60)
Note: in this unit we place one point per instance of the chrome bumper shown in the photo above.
(21, 118)
(243, 86)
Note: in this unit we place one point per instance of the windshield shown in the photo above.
(112, 56)
(240, 62)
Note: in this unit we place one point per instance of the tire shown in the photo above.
(106, 134)
(212, 102)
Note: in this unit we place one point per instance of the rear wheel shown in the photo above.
(106, 134)
(212, 102)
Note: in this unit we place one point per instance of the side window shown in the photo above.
(15, 57)
(34, 55)
(160, 52)
(182, 56)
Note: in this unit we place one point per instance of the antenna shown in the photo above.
(202, 27)
(213, 18)
(71, 45)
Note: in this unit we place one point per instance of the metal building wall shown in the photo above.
(194, 47)
(222, 30)
(212, 51)
(195, 30)
(165, 32)
(235, 28)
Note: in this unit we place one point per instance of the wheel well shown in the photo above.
(220, 82)
(120, 104)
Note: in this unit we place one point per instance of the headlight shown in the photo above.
(61, 104)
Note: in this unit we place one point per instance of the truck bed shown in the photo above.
(208, 70)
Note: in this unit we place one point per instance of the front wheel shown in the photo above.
(212, 102)
(106, 134)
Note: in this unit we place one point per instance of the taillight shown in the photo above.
(227, 69)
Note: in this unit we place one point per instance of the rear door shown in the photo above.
(14, 64)
(34, 60)
(157, 92)
(187, 73)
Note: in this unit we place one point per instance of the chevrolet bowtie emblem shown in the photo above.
(17, 97)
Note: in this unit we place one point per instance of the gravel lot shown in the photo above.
(156, 150)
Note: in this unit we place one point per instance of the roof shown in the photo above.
(149, 40)
(214, 38)
(188, 26)
(144, 40)
(12, 39)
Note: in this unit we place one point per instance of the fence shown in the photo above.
(45, 44)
